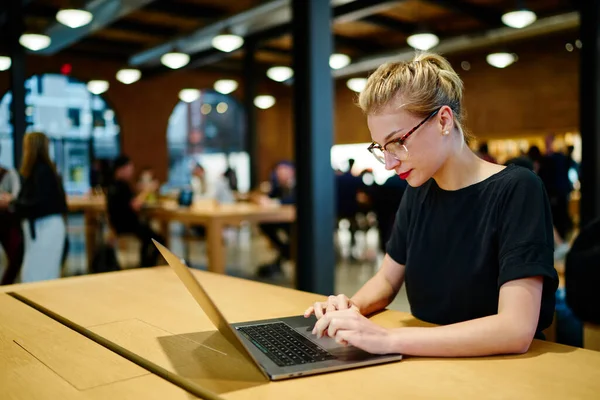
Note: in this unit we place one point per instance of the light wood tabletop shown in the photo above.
(150, 313)
(43, 359)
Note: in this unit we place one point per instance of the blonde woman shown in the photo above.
(42, 206)
(472, 240)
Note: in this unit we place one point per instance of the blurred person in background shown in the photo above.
(148, 182)
(42, 206)
(348, 186)
(11, 236)
(124, 208)
(232, 179)
(484, 153)
(201, 187)
(283, 191)
(554, 172)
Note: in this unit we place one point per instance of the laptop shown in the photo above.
(280, 348)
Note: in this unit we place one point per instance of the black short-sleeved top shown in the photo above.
(459, 247)
(122, 217)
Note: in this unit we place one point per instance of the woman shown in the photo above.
(42, 206)
(472, 240)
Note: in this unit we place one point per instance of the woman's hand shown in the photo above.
(333, 303)
(351, 328)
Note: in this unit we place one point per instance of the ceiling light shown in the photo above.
(5, 63)
(225, 86)
(519, 19)
(280, 74)
(264, 101)
(189, 95)
(205, 109)
(227, 43)
(338, 60)
(129, 76)
(97, 86)
(501, 60)
(175, 60)
(222, 107)
(74, 18)
(356, 84)
(422, 41)
(34, 41)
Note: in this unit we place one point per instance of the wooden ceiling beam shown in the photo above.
(390, 23)
(483, 14)
(187, 10)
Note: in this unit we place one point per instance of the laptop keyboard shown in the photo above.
(283, 345)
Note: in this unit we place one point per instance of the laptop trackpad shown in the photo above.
(341, 352)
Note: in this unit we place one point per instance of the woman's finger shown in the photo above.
(309, 312)
(318, 307)
(342, 302)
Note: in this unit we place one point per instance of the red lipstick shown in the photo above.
(405, 175)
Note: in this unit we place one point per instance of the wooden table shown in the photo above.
(93, 209)
(210, 215)
(214, 217)
(150, 313)
(43, 359)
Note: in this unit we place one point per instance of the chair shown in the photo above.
(127, 248)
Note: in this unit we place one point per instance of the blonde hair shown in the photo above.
(424, 84)
(35, 149)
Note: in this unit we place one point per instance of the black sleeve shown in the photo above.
(525, 237)
(397, 245)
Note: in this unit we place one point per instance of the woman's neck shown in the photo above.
(463, 168)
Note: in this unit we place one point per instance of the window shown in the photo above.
(81, 126)
(209, 131)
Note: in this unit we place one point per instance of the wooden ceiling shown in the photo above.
(384, 30)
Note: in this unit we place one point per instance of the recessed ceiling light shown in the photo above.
(189, 95)
(74, 18)
(338, 60)
(129, 76)
(519, 19)
(227, 43)
(175, 60)
(225, 86)
(280, 74)
(501, 60)
(264, 101)
(97, 86)
(356, 84)
(34, 41)
(423, 41)
(5, 63)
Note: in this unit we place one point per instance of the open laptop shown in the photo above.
(281, 348)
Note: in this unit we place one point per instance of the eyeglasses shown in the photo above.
(396, 147)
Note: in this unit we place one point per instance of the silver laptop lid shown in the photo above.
(205, 302)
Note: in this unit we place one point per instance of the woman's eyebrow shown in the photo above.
(389, 135)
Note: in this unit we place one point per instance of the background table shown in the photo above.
(213, 216)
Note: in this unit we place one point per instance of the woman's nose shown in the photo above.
(391, 162)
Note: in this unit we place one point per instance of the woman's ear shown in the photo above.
(446, 121)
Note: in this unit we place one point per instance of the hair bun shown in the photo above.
(433, 59)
